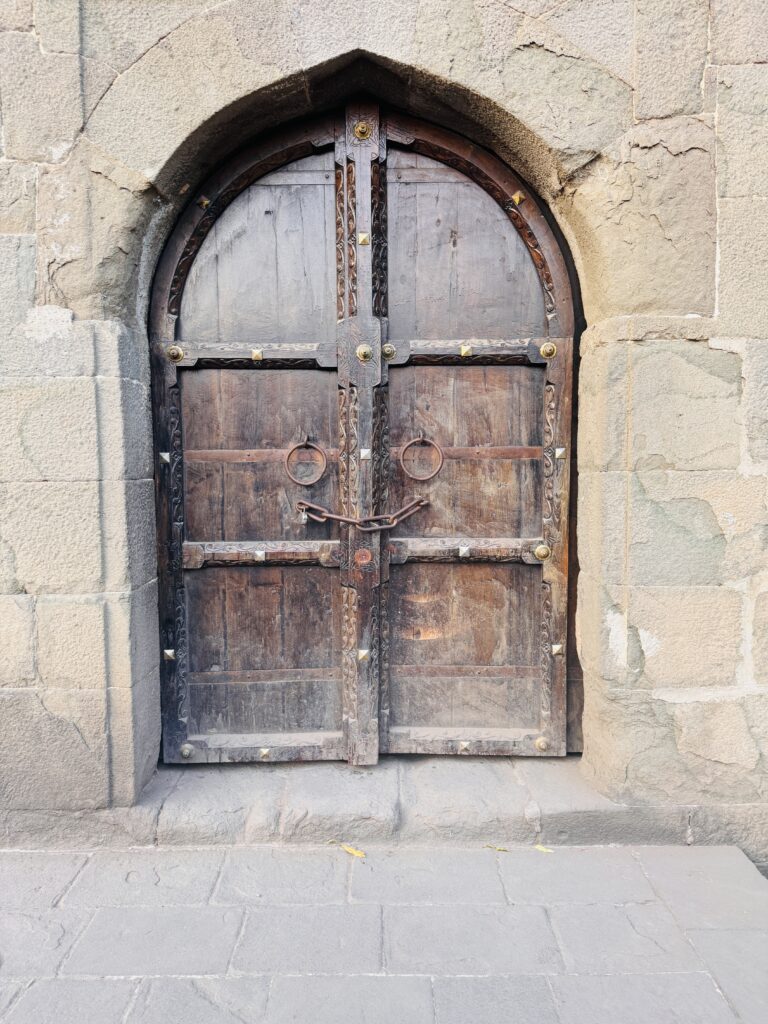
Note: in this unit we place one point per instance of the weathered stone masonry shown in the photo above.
(642, 123)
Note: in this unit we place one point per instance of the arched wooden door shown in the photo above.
(362, 349)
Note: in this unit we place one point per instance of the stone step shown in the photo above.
(468, 801)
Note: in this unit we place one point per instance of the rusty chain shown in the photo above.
(366, 524)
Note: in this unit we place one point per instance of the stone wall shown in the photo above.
(644, 126)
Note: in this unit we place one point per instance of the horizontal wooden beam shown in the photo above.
(332, 454)
(197, 555)
(463, 549)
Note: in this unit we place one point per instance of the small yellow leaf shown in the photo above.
(543, 849)
(499, 849)
(352, 851)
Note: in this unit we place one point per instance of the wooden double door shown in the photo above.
(361, 337)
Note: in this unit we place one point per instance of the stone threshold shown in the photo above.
(463, 801)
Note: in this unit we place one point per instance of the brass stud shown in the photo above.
(257, 355)
(364, 353)
(203, 202)
(465, 350)
(557, 649)
(542, 743)
(388, 350)
(363, 238)
(169, 654)
(548, 350)
(260, 556)
(186, 751)
(365, 454)
(518, 198)
(264, 752)
(463, 746)
(363, 654)
(175, 353)
(362, 130)
(165, 457)
(464, 552)
(559, 453)
(542, 552)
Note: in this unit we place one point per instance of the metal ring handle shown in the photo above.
(305, 444)
(421, 440)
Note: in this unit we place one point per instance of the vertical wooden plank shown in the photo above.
(359, 333)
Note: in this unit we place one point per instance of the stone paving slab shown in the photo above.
(428, 934)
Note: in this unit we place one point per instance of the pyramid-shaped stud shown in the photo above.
(363, 238)
(264, 752)
(464, 745)
(257, 355)
(165, 457)
(363, 654)
(465, 350)
(559, 453)
(518, 197)
(169, 654)
(557, 648)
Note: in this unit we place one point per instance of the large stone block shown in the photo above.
(643, 221)
(756, 399)
(18, 185)
(689, 751)
(739, 33)
(71, 643)
(742, 131)
(685, 406)
(134, 728)
(696, 528)
(601, 29)
(78, 536)
(670, 54)
(602, 635)
(603, 404)
(75, 429)
(672, 649)
(760, 638)
(17, 650)
(602, 522)
(51, 429)
(242, 50)
(133, 635)
(45, 97)
(94, 215)
(54, 750)
(17, 279)
(743, 277)
(117, 34)
(16, 15)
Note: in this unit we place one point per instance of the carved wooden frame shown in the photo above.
(207, 204)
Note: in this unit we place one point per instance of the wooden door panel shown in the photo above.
(238, 427)
(264, 656)
(458, 268)
(487, 421)
(266, 271)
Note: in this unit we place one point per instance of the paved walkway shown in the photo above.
(403, 935)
